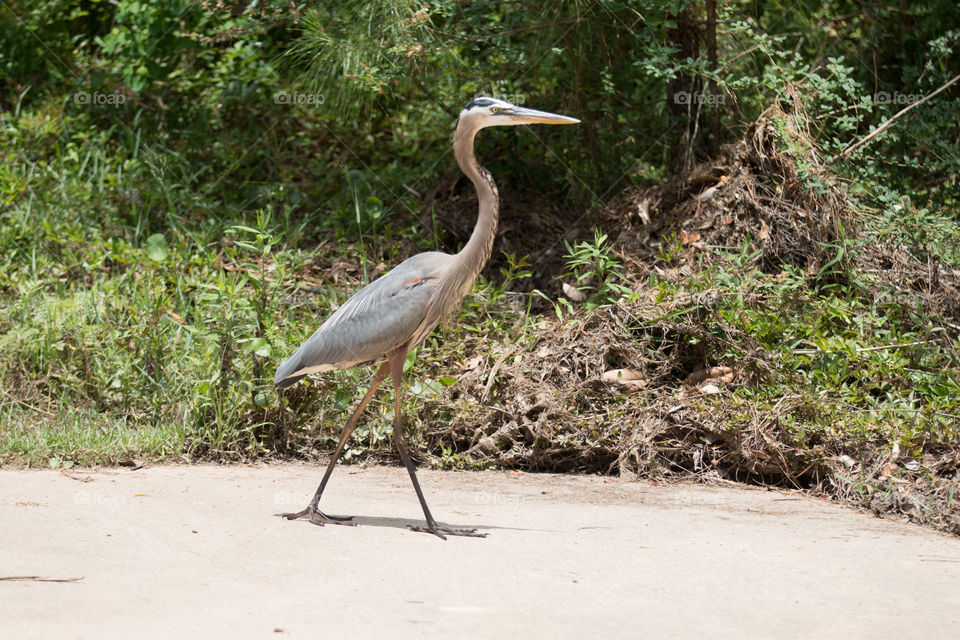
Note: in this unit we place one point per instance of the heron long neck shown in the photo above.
(474, 255)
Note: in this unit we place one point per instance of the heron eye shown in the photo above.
(494, 109)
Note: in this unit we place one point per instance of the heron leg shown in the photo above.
(396, 359)
(312, 512)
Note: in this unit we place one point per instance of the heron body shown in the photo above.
(392, 311)
(395, 313)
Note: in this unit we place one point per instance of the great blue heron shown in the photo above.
(393, 314)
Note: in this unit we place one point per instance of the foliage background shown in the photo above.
(187, 189)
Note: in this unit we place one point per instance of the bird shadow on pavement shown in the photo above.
(406, 523)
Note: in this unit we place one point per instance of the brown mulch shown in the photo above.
(752, 193)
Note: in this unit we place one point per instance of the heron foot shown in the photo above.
(443, 532)
(319, 518)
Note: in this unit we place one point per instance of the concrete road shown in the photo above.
(198, 552)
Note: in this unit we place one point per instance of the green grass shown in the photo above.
(142, 315)
(860, 366)
(34, 437)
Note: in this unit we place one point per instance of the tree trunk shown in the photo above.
(710, 40)
(683, 91)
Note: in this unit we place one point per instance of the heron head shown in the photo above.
(491, 112)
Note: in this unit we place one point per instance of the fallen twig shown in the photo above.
(807, 352)
(25, 405)
(493, 373)
(40, 579)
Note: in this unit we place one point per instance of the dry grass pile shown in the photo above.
(753, 192)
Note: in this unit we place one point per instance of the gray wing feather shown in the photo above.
(382, 315)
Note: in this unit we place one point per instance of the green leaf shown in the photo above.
(410, 359)
(341, 399)
(261, 347)
(431, 387)
(374, 207)
(157, 247)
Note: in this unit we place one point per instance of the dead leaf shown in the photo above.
(173, 316)
(573, 293)
(711, 191)
(630, 379)
(764, 231)
(722, 375)
(622, 375)
(473, 363)
(706, 194)
(643, 210)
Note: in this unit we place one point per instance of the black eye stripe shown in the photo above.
(479, 102)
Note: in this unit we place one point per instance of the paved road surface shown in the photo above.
(197, 552)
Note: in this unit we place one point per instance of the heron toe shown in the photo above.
(443, 532)
(319, 518)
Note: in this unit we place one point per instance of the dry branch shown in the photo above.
(890, 121)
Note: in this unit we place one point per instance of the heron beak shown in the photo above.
(522, 115)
